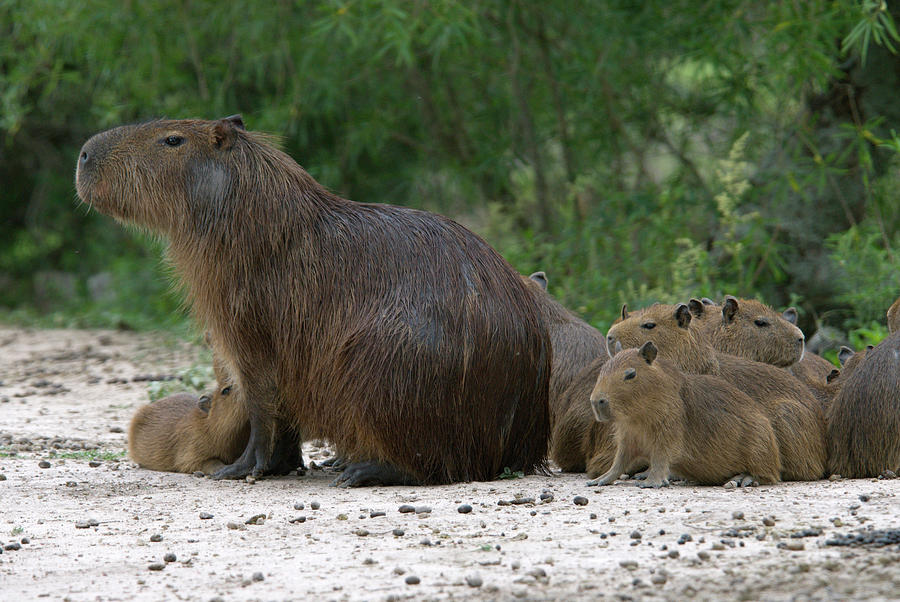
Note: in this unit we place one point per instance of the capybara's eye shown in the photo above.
(629, 374)
(648, 325)
(173, 140)
(761, 322)
(226, 390)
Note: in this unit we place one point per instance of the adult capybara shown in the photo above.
(579, 443)
(795, 414)
(184, 433)
(695, 426)
(397, 334)
(575, 344)
(864, 416)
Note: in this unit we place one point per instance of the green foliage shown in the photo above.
(510, 474)
(195, 379)
(637, 152)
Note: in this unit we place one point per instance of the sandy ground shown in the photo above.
(64, 392)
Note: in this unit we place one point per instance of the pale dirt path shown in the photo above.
(554, 550)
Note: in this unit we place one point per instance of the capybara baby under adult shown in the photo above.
(575, 344)
(186, 433)
(864, 416)
(695, 426)
(795, 414)
(397, 334)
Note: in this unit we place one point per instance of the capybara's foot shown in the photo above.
(653, 483)
(604, 479)
(238, 470)
(742, 480)
(640, 476)
(362, 474)
(335, 463)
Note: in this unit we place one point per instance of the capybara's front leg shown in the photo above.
(362, 474)
(617, 468)
(287, 455)
(657, 474)
(257, 457)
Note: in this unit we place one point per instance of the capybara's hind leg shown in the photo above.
(287, 454)
(362, 474)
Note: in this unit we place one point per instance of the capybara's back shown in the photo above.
(397, 334)
(864, 417)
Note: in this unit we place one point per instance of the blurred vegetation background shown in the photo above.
(635, 151)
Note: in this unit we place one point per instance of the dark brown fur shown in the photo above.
(864, 417)
(795, 414)
(893, 317)
(695, 426)
(397, 334)
(575, 344)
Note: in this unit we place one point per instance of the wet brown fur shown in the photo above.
(695, 426)
(795, 414)
(397, 334)
(864, 416)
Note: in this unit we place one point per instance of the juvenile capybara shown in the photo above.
(695, 426)
(186, 433)
(864, 416)
(750, 329)
(397, 334)
(575, 344)
(795, 414)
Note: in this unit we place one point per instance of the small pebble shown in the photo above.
(299, 506)
(546, 496)
(361, 532)
(426, 542)
(369, 561)
(170, 557)
(44, 464)
(769, 522)
(116, 429)
(376, 513)
(298, 519)
(314, 505)
(399, 571)
(94, 463)
(406, 508)
(2, 477)
(157, 566)
(258, 576)
(794, 545)
(423, 509)
(864, 498)
(205, 516)
(398, 532)
(156, 537)
(658, 578)
(593, 516)
(412, 580)
(703, 555)
(256, 519)
(235, 526)
(250, 479)
(474, 580)
(580, 500)
(674, 554)
(12, 547)
(635, 534)
(628, 564)
(464, 508)
(25, 540)
(737, 515)
(686, 537)
(537, 572)
(515, 565)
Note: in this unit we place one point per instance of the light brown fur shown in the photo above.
(795, 414)
(695, 426)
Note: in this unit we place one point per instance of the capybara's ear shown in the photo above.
(697, 307)
(682, 315)
(224, 131)
(790, 314)
(707, 301)
(237, 120)
(832, 375)
(729, 308)
(540, 278)
(845, 354)
(648, 352)
(203, 403)
(624, 311)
